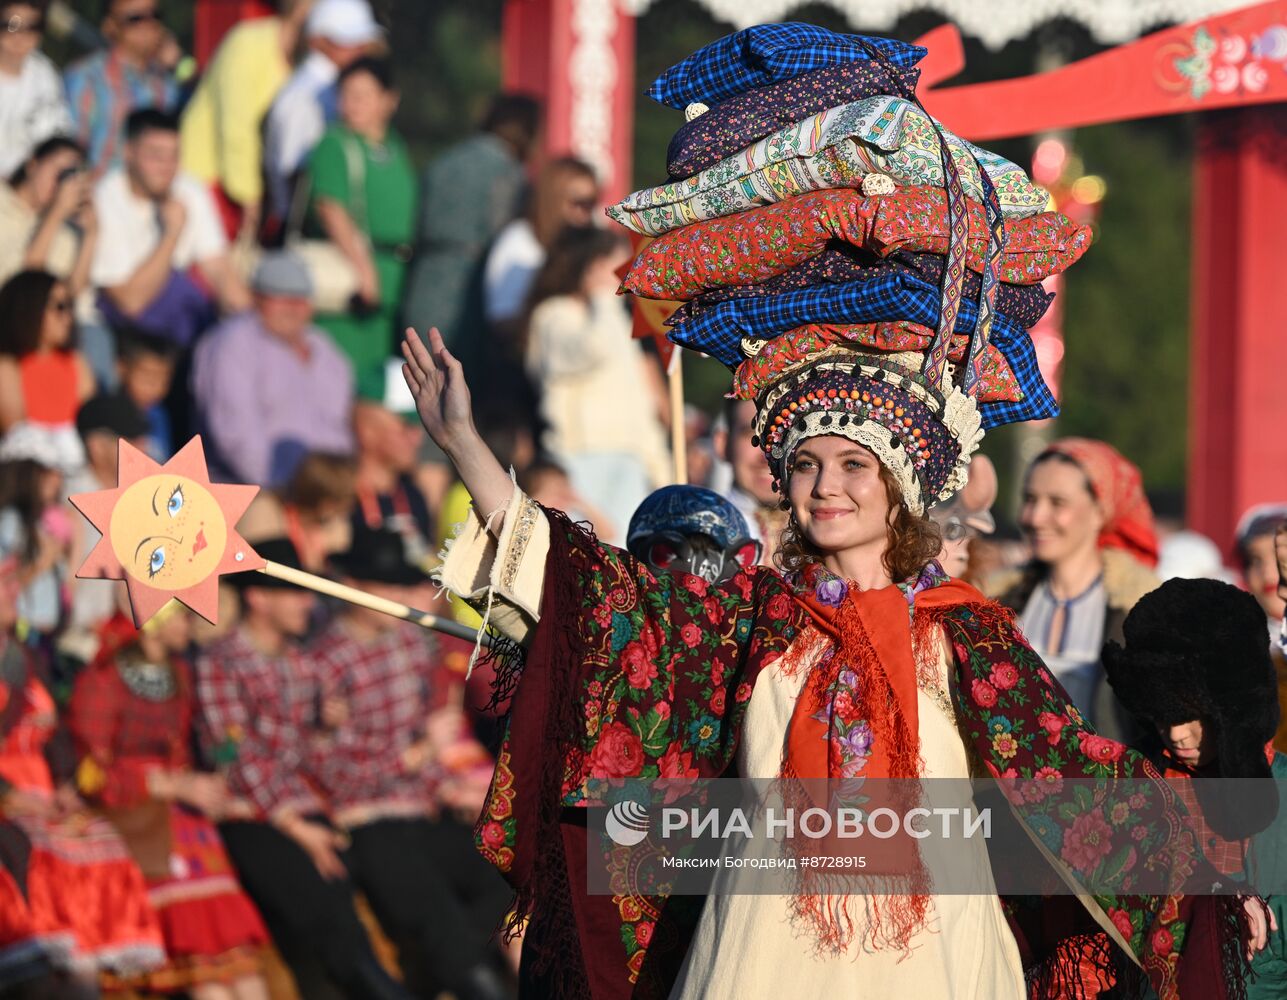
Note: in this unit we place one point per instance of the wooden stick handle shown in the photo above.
(678, 432)
(364, 600)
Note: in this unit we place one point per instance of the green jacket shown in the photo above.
(1267, 863)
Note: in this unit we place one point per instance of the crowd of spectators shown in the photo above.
(234, 255)
(238, 253)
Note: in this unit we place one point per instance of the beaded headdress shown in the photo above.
(922, 436)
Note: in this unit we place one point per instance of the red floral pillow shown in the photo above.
(758, 244)
(998, 383)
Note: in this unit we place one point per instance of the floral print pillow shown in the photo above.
(784, 352)
(755, 245)
(835, 148)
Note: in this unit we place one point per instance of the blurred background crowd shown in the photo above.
(195, 809)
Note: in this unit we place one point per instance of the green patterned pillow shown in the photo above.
(836, 148)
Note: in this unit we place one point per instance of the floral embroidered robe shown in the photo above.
(629, 675)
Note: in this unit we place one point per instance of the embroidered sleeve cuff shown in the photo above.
(508, 569)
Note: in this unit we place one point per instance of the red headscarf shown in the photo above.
(1119, 488)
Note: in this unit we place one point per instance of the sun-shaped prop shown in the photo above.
(168, 531)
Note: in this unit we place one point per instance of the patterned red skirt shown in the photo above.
(24, 954)
(82, 904)
(212, 931)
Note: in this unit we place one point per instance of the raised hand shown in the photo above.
(437, 382)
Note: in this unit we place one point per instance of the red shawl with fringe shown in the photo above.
(857, 716)
(633, 676)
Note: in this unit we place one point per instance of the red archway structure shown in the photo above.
(579, 56)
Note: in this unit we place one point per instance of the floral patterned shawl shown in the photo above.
(629, 675)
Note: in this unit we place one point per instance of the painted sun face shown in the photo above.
(168, 532)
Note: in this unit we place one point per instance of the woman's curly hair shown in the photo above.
(913, 541)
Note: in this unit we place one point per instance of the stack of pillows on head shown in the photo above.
(807, 214)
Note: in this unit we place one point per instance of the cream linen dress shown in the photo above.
(747, 946)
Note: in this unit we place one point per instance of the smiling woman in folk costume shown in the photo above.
(1094, 549)
(859, 659)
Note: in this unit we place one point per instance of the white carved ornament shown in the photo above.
(592, 74)
(993, 22)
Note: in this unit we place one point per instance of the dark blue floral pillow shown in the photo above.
(747, 118)
(769, 53)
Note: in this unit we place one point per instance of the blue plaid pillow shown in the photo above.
(886, 296)
(766, 54)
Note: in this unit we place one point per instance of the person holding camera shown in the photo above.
(47, 219)
(48, 223)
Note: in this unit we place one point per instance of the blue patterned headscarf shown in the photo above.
(688, 510)
(693, 530)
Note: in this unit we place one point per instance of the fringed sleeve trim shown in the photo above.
(500, 575)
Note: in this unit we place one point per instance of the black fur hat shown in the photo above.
(1199, 649)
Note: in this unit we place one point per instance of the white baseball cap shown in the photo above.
(344, 22)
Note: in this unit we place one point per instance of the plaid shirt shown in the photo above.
(127, 735)
(886, 296)
(1228, 857)
(391, 684)
(767, 53)
(256, 714)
